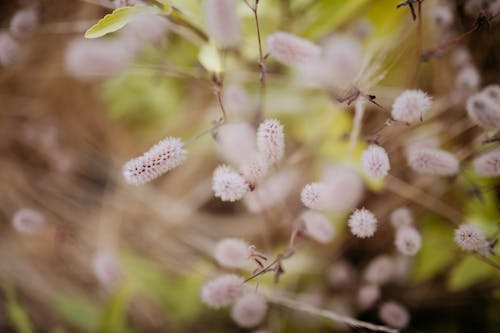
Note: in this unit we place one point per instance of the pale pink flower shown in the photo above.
(379, 270)
(318, 226)
(346, 187)
(368, 295)
(106, 267)
(222, 291)
(468, 78)
(401, 217)
(341, 274)
(488, 164)
(432, 161)
(292, 50)
(470, 238)
(408, 241)
(161, 158)
(228, 185)
(23, 22)
(236, 142)
(316, 196)
(375, 161)
(28, 221)
(9, 50)
(394, 314)
(232, 253)
(249, 311)
(271, 140)
(362, 223)
(484, 109)
(236, 100)
(222, 22)
(411, 106)
(254, 170)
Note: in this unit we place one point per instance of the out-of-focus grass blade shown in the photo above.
(79, 311)
(114, 314)
(17, 315)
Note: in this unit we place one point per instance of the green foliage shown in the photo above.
(469, 271)
(16, 313)
(113, 317)
(119, 18)
(78, 310)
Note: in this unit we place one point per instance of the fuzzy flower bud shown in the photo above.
(401, 217)
(362, 223)
(411, 106)
(228, 185)
(254, 170)
(432, 161)
(470, 238)
(23, 22)
(484, 109)
(394, 314)
(318, 226)
(292, 50)
(488, 164)
(222, 291)
(161, 158)
(375, 161)
(368, 295)
(316, 196)
(379, 270)
(27, 221)
(408, 241)
(9, 50)
(468, 78)
(106, 268)
(249, 310)
(271, 140)
(232, 253)
(222, 22)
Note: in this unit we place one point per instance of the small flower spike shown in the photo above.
(228, 185)
(292, 50)
(411, 106)
(488, 164)
(271, 140)
(222, 291)
(249, 310)
(362, 223)
(222, 22)
(232, 253)
(432, 161)
(470, 238)
(375, 161)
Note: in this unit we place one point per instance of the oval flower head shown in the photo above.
(228, 185)
(468, 78)
(9, 50)
(318, 226)
(232, 253)
(161, 158)
(484, 110)
(394, 314)
(249, 310)
(411, 106)
(292, 50)
(368, 295)
(27, 221)
(432, 161)
(362, 223)
(236, 142)
(316, 196)
(375, 161)
(408, 241)
(221, 21)
(254, 170)
(488, 164)
(492, 92)
(23, 22)
(401, 217)
(222, 291)
(379, 271)
(470, 238)
(271, 140)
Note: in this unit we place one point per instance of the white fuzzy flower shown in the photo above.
(375, 161)
(9, 50)
(228, 185)
(468, 78)
(408, 241)
(484, 109)
(379, 271)
(362, 223)
(292, 50)
(222, 22)
(368, 295)
(27, 221)
(161, 158)
(394, 314)
(411, 106)
(271, 140)
(432, 161)
(470, 238)
(249, 310)
(316, 196)
(232, 253)
(106, 268)
(401, 217)
(488, 164)
(254, 169)
(236, 142)
(222, 291)
(23, 22)
(318, 226)
(346, 187)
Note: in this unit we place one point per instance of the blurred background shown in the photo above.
(104, 256)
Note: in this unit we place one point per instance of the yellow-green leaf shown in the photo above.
(119, 18)
(468, 272)
(210, 58)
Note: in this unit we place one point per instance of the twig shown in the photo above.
(296, 305)
(410, 3)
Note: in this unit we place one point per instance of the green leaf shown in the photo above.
(210, 58)
(468, 272)
(113, 317)
(15, 312)
(119, 18)
(79, 311)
